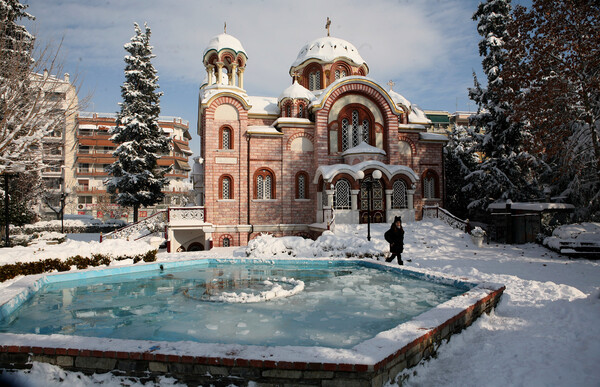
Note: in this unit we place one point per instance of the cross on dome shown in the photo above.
(391, 84)
(327, 25)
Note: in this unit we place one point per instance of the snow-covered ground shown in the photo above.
(543, 332)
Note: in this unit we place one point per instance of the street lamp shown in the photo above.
(376, 175)
(9, 172)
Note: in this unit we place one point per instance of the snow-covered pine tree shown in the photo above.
(555, 67)
(507, 169)
(136, 178)
(460, 161)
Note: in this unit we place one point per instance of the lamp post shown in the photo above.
(8, 172)
(376, 175)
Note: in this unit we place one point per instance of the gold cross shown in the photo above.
(391, 84)
(225, 28)
(327, 25)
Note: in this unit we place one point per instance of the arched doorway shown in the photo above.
(377, 201)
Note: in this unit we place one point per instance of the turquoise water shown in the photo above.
(339, 306)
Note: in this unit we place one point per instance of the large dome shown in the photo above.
(222, 42)
(328, 49)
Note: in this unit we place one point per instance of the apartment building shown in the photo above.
(92, 153)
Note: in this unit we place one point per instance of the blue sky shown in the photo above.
(427, 47)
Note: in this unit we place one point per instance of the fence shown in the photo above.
(440, 213)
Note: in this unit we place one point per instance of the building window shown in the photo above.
(226, 138)
(226, 242)
(84, 168)
(265, 185)
(84, 199)
(341, 199)
(355, 126)
(288, 109)
(430, 185)
(301, 111)
(314, 80)
(226, 188)
(302, 185)
(84, 149)
(399, 199)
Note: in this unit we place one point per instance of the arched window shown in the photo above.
(226, 137)
(356, 126)
(301, 185)
(314, 80)
(430, 185)
(226, 187)
(226, 242)
(341, 199)
(301, 110)
(340, 74)
(288, 109)
(264, 185)
(399, 199)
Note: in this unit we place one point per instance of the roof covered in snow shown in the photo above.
(263, 105)
(222, 42)
(296, 91)
(328, 49)
(330, 171)
(362, 148)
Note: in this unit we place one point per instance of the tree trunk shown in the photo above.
(136, 207)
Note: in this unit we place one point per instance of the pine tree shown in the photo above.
(554, 68)
(136, 178)
(460, 161)
(507, 169)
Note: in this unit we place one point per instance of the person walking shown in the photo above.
(395, 237)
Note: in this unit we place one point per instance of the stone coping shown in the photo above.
(371, 362)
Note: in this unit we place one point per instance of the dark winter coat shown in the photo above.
(395, 237)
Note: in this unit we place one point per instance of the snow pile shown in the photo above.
(70, 248)
(274, 290)
(575, 233)
(342, 244)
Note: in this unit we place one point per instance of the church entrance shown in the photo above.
(377, 201)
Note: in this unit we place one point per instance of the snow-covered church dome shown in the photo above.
(224, 41)
(328, 49)
(225, 60)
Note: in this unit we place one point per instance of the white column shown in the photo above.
(330, 193)
(409, 196)
(219, 72)
(210, 69)
(388, 199)
(354, 198)
(231, 74)
(241, 77)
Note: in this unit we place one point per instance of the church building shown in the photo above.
(332, 148)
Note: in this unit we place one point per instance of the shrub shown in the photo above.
(50, 264)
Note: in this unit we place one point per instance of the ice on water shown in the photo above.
(335, 306)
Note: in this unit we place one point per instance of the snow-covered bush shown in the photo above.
(478, 232)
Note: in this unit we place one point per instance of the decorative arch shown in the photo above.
(430, 187)
(226, 187)
(411, 143)
(302, 109)
(264, 184)
(308, 136)
(226, 98)
(195, 246)
(223, 240)
(339, 70)
(226, 137)
(356, 124)
(313, 76)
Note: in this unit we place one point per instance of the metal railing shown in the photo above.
(440, 213)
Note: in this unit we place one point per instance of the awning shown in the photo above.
(183, 165)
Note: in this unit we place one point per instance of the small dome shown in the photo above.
(222, 42)
(328, 49)
(296, 91)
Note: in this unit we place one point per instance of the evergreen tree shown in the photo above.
(507, 169)
(554, 68)
(460, 161)
(136, 178)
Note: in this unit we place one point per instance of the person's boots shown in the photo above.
(400, 262)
